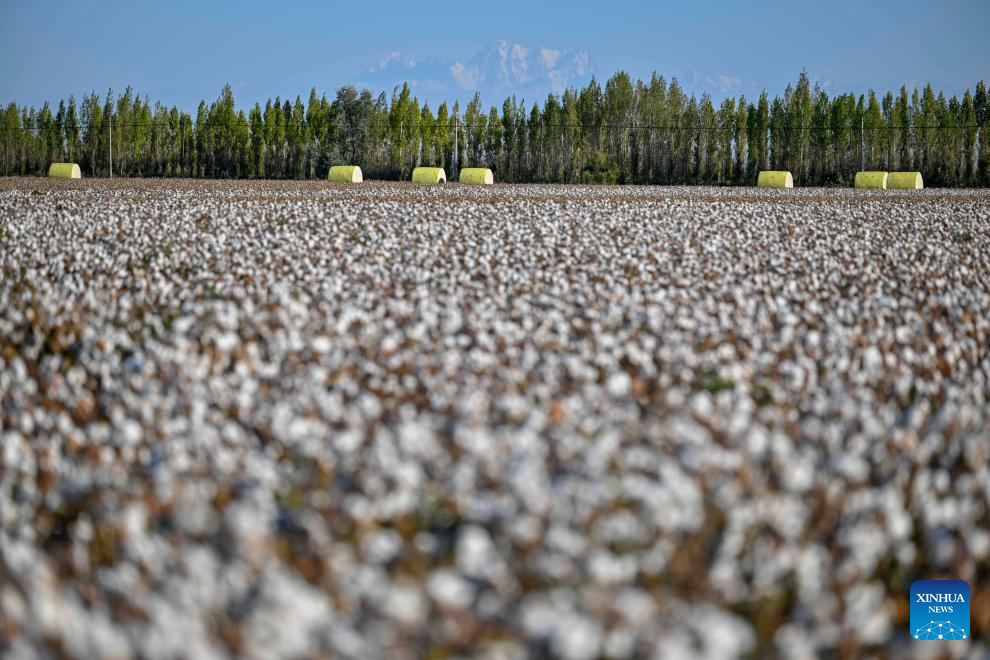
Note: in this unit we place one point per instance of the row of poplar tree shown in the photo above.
(629, 132)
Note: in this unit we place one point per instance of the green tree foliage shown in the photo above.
(981, 110)
(625, 131)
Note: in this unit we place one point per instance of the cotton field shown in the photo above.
(287, 419)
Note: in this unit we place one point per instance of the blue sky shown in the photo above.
(183, 51)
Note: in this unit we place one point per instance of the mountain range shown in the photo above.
(498, 70)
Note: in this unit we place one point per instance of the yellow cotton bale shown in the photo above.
(429, 175)
(772, 179)
(874, 180)
(905, 181)
(64, 171)
(481, 176)
(345, 174)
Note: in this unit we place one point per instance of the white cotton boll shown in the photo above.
(866, 617)
(406, 604)
(381, 546)
(577, 638)
(618, 384)
(449, 589)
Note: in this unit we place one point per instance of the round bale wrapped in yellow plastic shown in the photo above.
(429, 175)
(905, 181)
(774, 179)
(64, 171)
(478, 176)
(345, 174)
(871, 180)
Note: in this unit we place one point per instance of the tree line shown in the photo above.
(630, 131)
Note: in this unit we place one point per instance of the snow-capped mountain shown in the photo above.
(498, 70)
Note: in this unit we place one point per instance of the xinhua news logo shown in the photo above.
(940, 610)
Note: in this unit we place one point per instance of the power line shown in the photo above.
(472, 127)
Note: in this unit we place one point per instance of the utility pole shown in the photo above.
(111, 145)
(862, 147)
(453, 160)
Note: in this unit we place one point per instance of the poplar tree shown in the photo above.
(630, 131)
